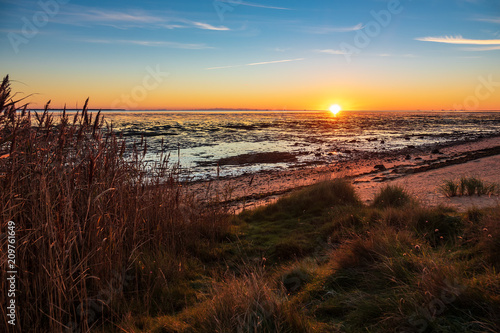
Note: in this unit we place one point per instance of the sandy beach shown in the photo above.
(419, 171)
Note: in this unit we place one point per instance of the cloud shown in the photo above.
(273, 62)
(257, 63)
(484, 48)
(173, 45)
(107, 16)
(330, 51)
(327, 30)
(206, 26)
(80, 15)
(173, 26)
(490, 20)
(250, 4)
(459, 40)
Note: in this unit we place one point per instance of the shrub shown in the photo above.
(436, 225)
(468, 186)
(391, 196)
(315, 198)
(449, 188)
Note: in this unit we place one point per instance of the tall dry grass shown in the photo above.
(87, 210)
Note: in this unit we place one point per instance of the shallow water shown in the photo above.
(203, 138)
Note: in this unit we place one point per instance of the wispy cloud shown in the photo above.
(115, 16)
(273, 62)
(328, 30)
(330, 51)
(257, 63)
(206, 26)
(173, 45)
(250, 4)
(80, 15)
(489, 20)
(483, 48)
(173, 26)
(459, 40)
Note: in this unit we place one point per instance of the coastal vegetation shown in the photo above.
(468, 186)
(109, 243)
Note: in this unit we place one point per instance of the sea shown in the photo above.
(209, 144)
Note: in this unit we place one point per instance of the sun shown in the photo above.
(335, 109)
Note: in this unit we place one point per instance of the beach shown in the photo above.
(190, 254)
(250, 166)
(419, 170)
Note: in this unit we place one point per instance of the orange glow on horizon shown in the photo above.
(353, 97)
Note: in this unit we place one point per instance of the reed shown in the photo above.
(89, 211)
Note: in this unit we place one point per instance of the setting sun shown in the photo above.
(334, 109)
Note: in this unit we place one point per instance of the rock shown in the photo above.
(382, 141)
(407, 138)
(408, 157)
(411, 146)
(379, 179)
(436, 151)
(380, 167)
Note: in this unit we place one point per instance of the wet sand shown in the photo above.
(419, 171)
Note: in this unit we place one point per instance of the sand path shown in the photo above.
(425, 185)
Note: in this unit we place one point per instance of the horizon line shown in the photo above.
(270, 110)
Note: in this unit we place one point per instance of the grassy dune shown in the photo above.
(320, 261)
(106, 245)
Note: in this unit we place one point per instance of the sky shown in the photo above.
(276, 54)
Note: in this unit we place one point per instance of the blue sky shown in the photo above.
(272, 54)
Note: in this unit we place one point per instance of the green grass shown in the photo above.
(294, 226)
(391, 196)
(450, 188)
(468, 186)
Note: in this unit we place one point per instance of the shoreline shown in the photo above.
(420, 170)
